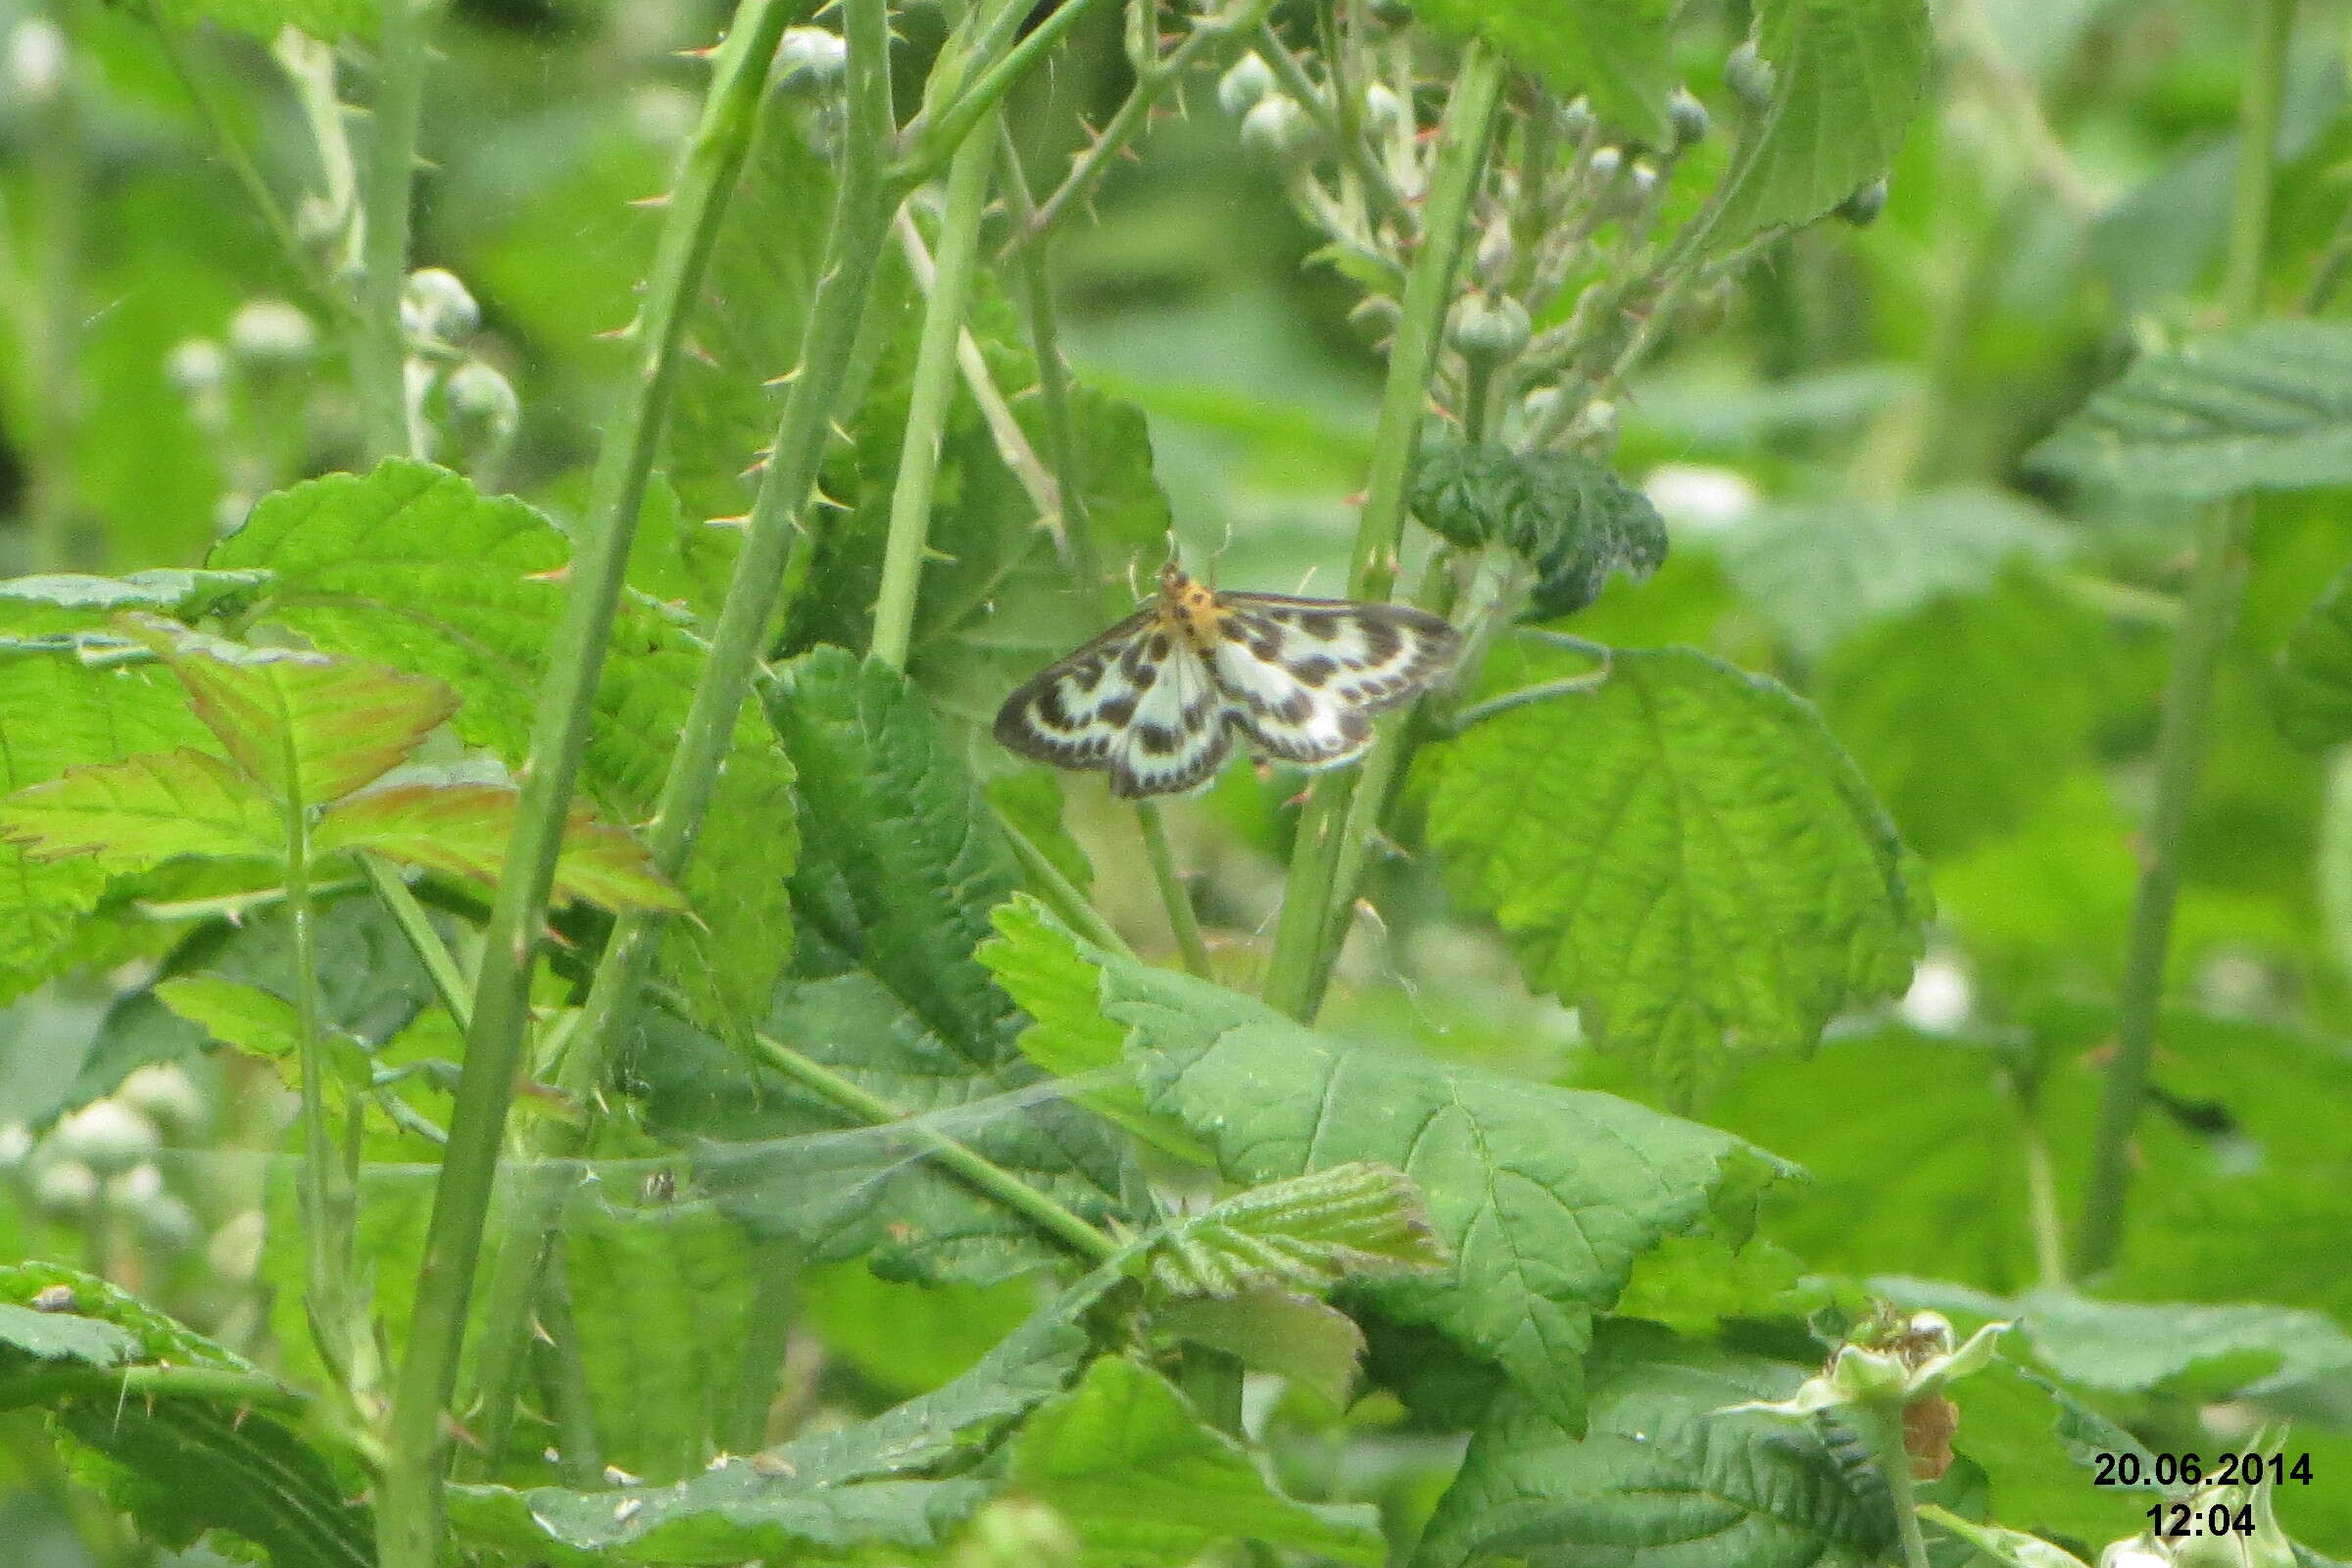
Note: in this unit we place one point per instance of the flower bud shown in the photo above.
(1751, 76)
(141, 1183)
(2134, 1551)
(235, 1250)
(1863, 207)
(104, 1135)
(1244, 86)
(1687, 116)
(35, 67)
(1577, 119)
(197, 365)
(1383, 111)
(1279, 129)
(167, 1224)
(1642, 177)
(1486, 329)
(272, 332)
(436, 305)
(809, 61)
(1606, 160)
(65, 1188)
(162, 1091)
(482, 405)
(16, 1141)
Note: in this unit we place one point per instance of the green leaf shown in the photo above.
(1565, 515)
(1546, 1196)
(410, 566)
(2135, 1347)
(1040, 966)
(139, 813)
(322, 18)
(1618, 53)
(243, 1017)
(56, 713)
(903, 864)
(1312, 1342)
(1847, 77)
(181, 1456)
(1682, 854)
(2314, 685)
(1144, 1482)
(463, 829)
(1028, 800)
(1663, 1476)
(1821, 572)
(1995, 689)
(63, 603)
(2266, 407)
(833, 1491)
(308, 727)
(1305, 1234)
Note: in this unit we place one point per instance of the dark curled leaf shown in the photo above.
(1568, 516)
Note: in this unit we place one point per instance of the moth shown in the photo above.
(1158, 701)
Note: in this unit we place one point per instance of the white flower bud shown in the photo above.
(1864, 206)
(436, 305)
(1705, 500)
(36, 63)
(481, 402)
(1644, 176)
(1280, 130)
(1606, 160)
(1749, 76)
(1486, 329)
(1245, 85)
(809, 61)
(235, 1249)
(196, 366)
(106, 1135)
(65, 1188)
(167, 1224)
(141, 1183)
(16, 1141)
(1687, 116)
(1940, 998)
(231, 512)
(162, 1091)
(1577, 119)
(272, 332)
(1383, 111)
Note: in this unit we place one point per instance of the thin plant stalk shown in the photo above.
(1183, 920)
(772, 534)
(2215, 582)
(329, 1197)
(931, 143)
(408, 1528)
(53, 320)
(933, 391)
(387, 190)
(440, 964)
(1292, 980)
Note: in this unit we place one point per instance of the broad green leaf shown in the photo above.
(1682, 854)
(1664, 1477)
(1993, 689)
(1038, 965)
(1546, 1196)
(144, 810)
(1821, 572)
(902, 868)
(2266, 407)
(57, 714)
(179, 1463)
(463, 829)
(243, 1017)
(832, 1491)
(308, 727)
(1618, 53)
(410, 566)
(1144, 1482)
(1846, 78)
(903, 1337)
(1307, 1233)
(1028, 801)
(65, 602)
(2314, 684)
(322, 18)
(2134, 1346)
(1312, 1342)
(1569, 517)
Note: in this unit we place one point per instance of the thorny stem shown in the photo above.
(408, 1522)
(1335, 121)
(933, 144)
(1041, 1209)
(329, 1199)
(2214, 580)
(931, 391)
(1296, 976)
(387, 191)
(440, 966)
(1012, 442)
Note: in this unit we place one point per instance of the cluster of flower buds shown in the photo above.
(102, 1158)
(243, 390)
(451, 389)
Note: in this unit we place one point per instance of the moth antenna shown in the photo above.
(1135, 584)
(1305, 578)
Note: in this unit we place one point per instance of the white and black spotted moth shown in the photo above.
(1158, 700)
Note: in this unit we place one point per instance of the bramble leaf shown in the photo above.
(1146, 1483)
(1305, 1234)
(1565, 515)
(1847, 77)
(143, 810)
(60, 604)
(245, 1016)
(1682, 854)
(321, 18)
(1546, 1196)
(463, 829)
(1618, 53)
(2266, 407)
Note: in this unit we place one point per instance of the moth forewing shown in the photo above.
(1068, 714)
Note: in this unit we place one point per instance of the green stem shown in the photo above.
(1068, 904)
(932, 145)
(1173, 894)
(1038, 1207)
(329, 1201)
(2041, 1189)
(933, 389)
(53, 321)
(409, 1522)
(1336, 122)
(211, 1383)
(2215, 581)
(416, 928)
(1292, 983)
(386, 192)
(567, 1376)
(853, 249)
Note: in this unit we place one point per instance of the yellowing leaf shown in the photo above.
(143, 810)
(463, 829)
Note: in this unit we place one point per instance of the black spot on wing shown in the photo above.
(1313, 670)
(1118, 710)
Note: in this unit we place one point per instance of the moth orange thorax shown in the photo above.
(1188, 609)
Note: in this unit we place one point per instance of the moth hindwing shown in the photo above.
(1156, 701)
